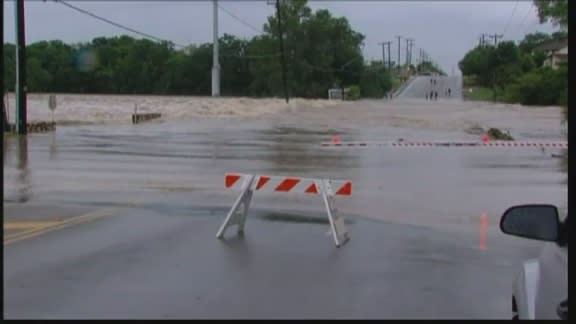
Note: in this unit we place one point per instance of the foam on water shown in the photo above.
(446, 115)
(106, 109)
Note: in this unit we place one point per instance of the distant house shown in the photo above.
(556, 52)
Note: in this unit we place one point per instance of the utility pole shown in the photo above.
(387, 44)
(215, 64)
(483, 41)
(496, 37)
(282, 55)
(389, 61)
(420, 57)
(5, 124)
(407, 49)
(21, 88)
(410, 45)
(398, 62)
(383, 52)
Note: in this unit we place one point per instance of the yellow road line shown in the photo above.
(28, 224)
(32, 230)
(71, 221)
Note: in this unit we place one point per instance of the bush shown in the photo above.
(544, 86)
(497, 134)
(353, 93)
(525, 90)
(375, 84)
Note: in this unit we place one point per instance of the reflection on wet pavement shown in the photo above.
(296, 218)
(23, 174)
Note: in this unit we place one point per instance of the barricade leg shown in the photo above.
(339, 232)
(237, 214)
(242, 214)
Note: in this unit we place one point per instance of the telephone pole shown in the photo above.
(424, 56)
(483, 41)
(420, 56)
(411, 44)
(215, 64)
(383, 52)
(496, 37)
(21, 88)
(398, 62)
(407, 51)
(282, 55)
(387, 44)
(5, 124)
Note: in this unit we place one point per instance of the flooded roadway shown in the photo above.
(412, 210)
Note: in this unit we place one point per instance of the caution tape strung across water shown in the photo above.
(517, 144)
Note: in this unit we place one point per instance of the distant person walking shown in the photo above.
(431, 95)
(449, 92)
(435, 95)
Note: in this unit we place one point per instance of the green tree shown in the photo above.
(544, 86)
(9, 67)
(481, 63)
(234, 65)
(530, 41)
(376, 81)
(322, 52)
(555, 11)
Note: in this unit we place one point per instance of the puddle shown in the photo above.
(293, 218)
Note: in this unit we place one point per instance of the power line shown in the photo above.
(231, 14)
(369, 69)
(151, 36)
(495, 37)
(241, 20)
(252, 56)
(525, 16)
(116, 24)
(530, 10)
(510, 19)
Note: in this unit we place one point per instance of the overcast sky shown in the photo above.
(445, 29)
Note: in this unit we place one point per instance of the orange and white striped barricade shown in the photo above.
(248, 183)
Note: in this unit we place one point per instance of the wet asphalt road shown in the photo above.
(423, 85)
(166, 263)
(414, 222)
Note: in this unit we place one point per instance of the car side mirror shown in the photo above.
(538, 222)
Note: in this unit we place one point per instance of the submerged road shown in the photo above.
(119, 221)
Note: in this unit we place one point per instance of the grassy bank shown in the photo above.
(396, 83)
(477, 93)
(9, 134)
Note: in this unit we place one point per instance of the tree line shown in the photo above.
(516, 72)
(322, 52)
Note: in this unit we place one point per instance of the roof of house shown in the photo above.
(553, 45)
(563, 51)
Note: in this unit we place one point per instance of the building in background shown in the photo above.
(556, 52)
